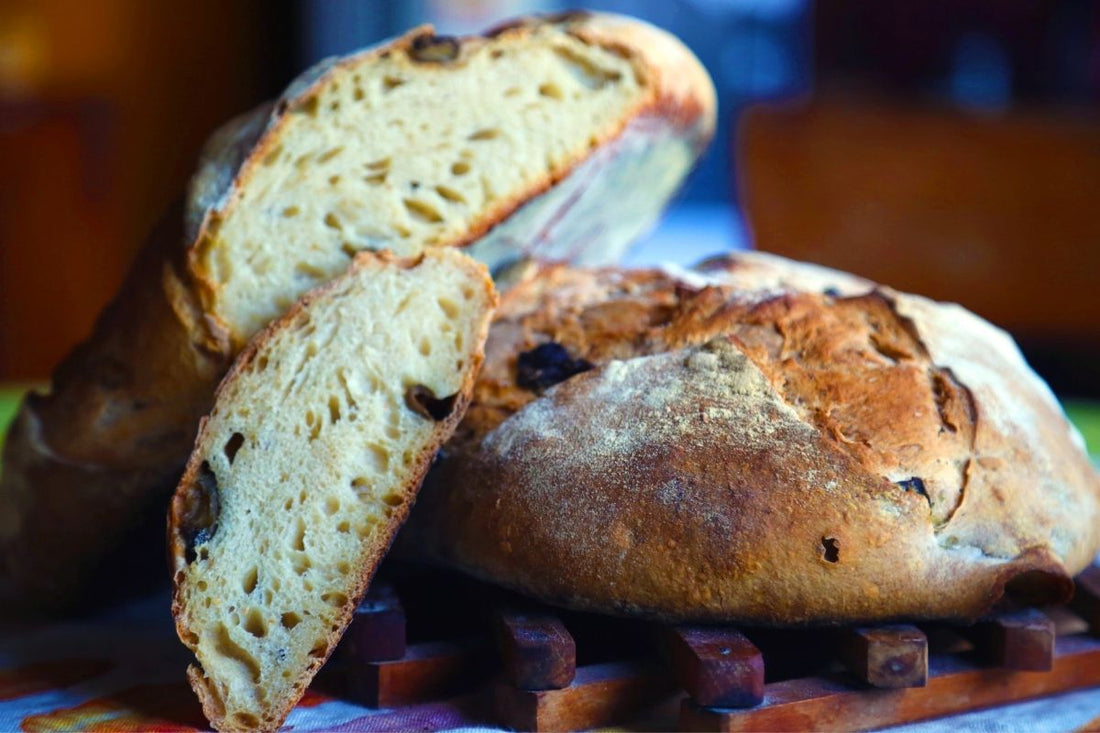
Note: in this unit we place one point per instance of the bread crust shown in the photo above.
(185, 498)
(85, 462)
(729, 456)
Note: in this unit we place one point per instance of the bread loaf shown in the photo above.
(765, 442)
(307, 465)
(509, 144)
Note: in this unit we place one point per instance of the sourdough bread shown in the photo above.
(514, 143)
(307, 465)
(762, 442)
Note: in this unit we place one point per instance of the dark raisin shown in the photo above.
(200, 519)
(546, 365)
(434, 49)
(423, 401)
(830, 549)
(913, 483)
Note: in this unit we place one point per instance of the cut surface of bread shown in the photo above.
(427, 141)
(307, 465)
(759, 441)
(518, 142)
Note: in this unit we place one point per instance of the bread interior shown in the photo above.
(423, 145)
(309, 461)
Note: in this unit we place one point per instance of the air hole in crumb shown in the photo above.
(248, 584)
(254, 623)
(460, 168)
(226, 647)
(449, 194)
(422, 211)
(333, 180)
(309, 106)
(288, 504)
(330, 154)
(376, 179)
(319, 650)
(332, 505)
(349, 249)
(334, 599)
(425, 346)
(449, 307)
(273, 156)
(343, 568)
(358, 94)
(830, 549)
(393, 499)
(232, 446)
(549, 89)
(343, 527)
(301, 564)
(246, 721)
(291, 211)
(299, 541)
(332, 221)
(389, 83)
(201, 585)
(486, 133)
(310, 271)
(380, 164)
(334, 409)
(380, 457)
(290, 620)
(511, 91)
(262, 362)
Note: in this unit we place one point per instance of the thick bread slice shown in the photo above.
(516, 143)
(769, 442)
(307, 465)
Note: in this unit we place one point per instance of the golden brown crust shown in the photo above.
(86, 459)
(777, 455)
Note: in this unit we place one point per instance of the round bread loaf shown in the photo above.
(758, 441)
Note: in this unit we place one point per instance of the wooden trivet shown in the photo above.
(538, 668)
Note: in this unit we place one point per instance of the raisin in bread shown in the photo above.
(519, 142)
(765, 442)
(308, 463)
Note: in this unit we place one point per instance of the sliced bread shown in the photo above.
(307, 465)
(518, 142)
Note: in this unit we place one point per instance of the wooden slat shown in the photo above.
(600, 694)
(428, 671)
(537, 651)
(1021, 640)
(889, 656)
(955, 684)
(377, 629)
(1086, 598)
(717, 666)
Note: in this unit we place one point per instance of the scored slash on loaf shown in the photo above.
(761, 441)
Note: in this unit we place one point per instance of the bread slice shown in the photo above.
(307, 465)
(764, 441)
(519, 142)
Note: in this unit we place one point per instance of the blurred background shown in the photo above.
(948, 147)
